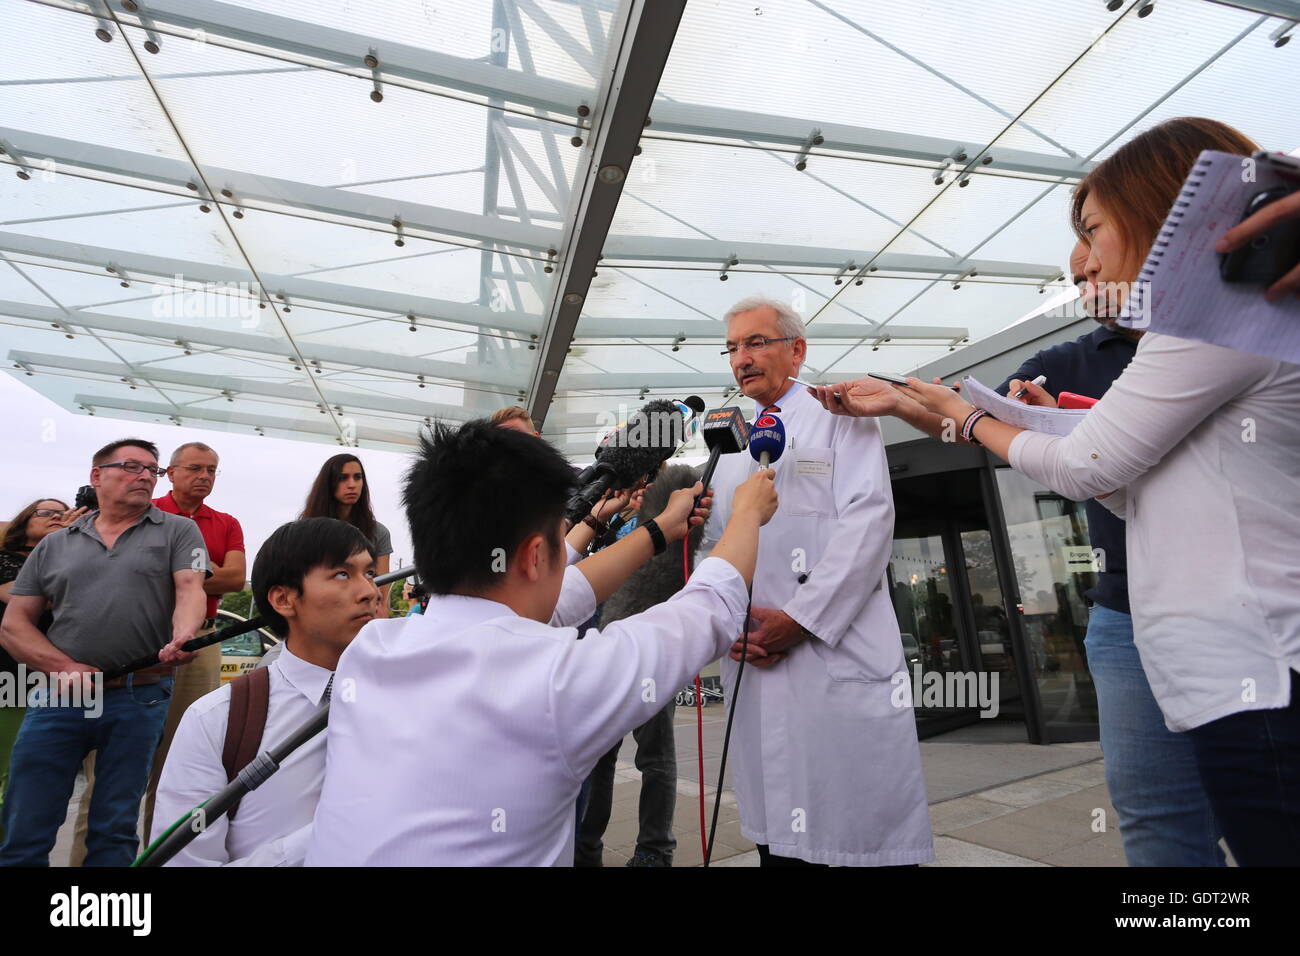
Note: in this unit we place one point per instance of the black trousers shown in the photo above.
(656, 758)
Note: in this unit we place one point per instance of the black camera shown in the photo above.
(86, 498)
(1268, 256)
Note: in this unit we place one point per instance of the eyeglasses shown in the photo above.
(133, 467)
(195, 469)
(755, 343)
(47, 513)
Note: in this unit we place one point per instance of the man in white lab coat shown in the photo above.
(826, 764)
(460, 737)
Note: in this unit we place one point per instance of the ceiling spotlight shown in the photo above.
(104, 35)
(573, 298)
(1146, 8)
(610, 175)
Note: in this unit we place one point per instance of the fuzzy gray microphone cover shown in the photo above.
(661, 577)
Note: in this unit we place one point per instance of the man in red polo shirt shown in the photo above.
(192, 472)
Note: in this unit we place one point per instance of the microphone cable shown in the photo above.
(706, 842)
(726, 737)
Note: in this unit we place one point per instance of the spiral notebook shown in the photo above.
(1179, 291)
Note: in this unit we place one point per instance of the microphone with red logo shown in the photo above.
(767, 440)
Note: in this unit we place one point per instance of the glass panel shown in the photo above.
(1143, 60)
(688, 190)
(1054, 567)
(568, 41)
(60, 80)
(923, 604)
(936, 70)
(992, 631)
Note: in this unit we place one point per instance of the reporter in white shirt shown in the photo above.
(313, 580)
(1197, 447)
(461, 737)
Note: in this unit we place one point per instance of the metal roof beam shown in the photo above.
(256, 191)
(237, 387)
(339, 356)
(300, 291)
(306, 42)
(639, 48)
(293, 426)
(718, 251)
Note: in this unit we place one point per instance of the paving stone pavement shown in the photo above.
(995, 800)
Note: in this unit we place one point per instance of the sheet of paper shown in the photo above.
(1035, 418)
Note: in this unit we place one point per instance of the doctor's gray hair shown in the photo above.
(788, 322)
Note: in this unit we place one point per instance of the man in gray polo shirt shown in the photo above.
(124, 582)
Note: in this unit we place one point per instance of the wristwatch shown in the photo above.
(596, 525)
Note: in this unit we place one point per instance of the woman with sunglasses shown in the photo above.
(29, 526)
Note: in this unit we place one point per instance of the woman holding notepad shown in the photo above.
(1197, 447)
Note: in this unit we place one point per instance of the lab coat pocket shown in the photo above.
(854, 659)
(808, 489)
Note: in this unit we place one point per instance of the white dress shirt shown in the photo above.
(1203, 444)
(461, 737)
(273, 824)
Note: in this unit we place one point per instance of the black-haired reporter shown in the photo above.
(313, 580)
(462, 736)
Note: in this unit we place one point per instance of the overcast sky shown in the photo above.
(263, 481)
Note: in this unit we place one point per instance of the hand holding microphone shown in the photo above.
(683, 512)
(756, 497)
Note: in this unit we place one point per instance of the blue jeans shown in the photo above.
(1155, 785)
(1250, 762)
(51, 746)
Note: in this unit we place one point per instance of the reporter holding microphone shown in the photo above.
(1198, 447)
(461, 737)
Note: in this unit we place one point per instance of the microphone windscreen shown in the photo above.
(768, 435)
(649, 438)
(695, 402)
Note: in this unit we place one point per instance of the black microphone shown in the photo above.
(725, 432)
(634, 451)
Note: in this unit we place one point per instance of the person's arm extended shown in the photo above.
(606, 685)
(226, 577)
(1170, 387)
(581, 535)
(606, 570)
(874, 398)
(21, 638)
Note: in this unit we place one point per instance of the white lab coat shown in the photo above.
(825, 761)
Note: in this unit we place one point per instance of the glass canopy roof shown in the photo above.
(324, 221)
